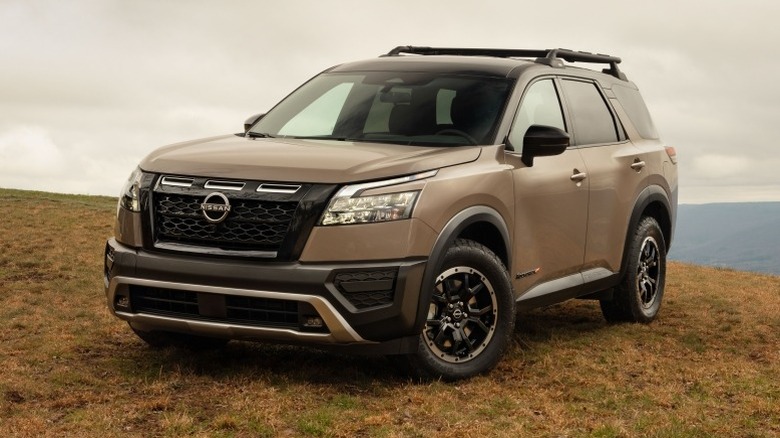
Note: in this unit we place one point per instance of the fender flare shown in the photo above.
(648, 196)
(447, 236)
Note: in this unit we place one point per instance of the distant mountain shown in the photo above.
(744, 236)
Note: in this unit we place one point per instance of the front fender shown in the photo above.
(449, 233)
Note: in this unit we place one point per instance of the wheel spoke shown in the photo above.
(440, 338)
(647, 291)
(645, 294)
(480, 312)
(478, 322)
(439, 298)
(457, 339)
(474, 291)
(449, 286)
(465, 285)
(459, 289)
(466, 340)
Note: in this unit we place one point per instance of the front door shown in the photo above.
(551, 197)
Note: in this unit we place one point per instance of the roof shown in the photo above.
(486, 62)
(474, 65)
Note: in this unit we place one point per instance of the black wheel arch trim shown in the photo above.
(456, 225)
(648, 196)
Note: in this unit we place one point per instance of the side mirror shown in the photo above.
(543, 141)
(251, 121)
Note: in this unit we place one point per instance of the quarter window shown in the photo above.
(592, 120)
(637, 111)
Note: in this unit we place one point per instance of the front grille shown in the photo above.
(251, 310)
(250, 225)
(163, 301)
(370, 288)
(234, 309)
(263, 219)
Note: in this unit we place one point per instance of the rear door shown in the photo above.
(614, 171)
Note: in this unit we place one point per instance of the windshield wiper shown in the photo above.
(252, 134)
(319, 137)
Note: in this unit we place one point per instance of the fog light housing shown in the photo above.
(121, 302)
(313, 322)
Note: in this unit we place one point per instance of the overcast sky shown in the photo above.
(87, 88)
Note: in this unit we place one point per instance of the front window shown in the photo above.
(393, 107)
(540, 106)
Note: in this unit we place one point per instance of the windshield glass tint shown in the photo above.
(392, 107)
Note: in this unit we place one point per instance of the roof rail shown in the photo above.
(551, 57)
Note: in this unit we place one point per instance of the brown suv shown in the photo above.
(406, 205)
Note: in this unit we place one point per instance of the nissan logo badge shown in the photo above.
(215, 207)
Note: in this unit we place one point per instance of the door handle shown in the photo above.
(638, 165)
(578, 176)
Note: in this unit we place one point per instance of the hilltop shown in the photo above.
(707, 367)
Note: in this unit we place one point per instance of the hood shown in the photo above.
(315, 161)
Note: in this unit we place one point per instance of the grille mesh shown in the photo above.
(252, 311)
(164, 301)
(251, 224)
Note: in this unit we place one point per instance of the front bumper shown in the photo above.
(370, 306)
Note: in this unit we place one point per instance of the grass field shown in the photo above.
(709, 366)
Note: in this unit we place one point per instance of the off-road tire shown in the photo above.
(638, 296)
(471, 315)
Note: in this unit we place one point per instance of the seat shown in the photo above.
(475, 111)
(415, 118)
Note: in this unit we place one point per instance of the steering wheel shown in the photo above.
(458, 132)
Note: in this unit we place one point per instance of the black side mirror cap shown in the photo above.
(543, 141)
(251, 121)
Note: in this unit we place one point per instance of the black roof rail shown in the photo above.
(551, 57)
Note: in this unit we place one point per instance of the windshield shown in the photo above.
(393, 107)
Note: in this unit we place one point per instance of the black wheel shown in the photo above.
(159, 339)
(458, 132)
(471, 315)
(638, 297)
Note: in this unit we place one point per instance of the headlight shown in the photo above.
(366, 209)
(348, 207)
(129, 197)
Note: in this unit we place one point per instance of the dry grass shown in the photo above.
(708, 367)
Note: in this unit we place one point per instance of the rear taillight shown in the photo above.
(672, 154)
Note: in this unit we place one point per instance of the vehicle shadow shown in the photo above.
(571, 318)
(255, 360)
(280, 363)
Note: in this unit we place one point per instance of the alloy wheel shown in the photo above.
(461, 315)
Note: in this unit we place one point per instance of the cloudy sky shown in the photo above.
(88, 87)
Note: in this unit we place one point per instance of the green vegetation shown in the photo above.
(708, 366)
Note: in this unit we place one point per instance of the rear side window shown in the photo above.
(592, 120)
(634, 105)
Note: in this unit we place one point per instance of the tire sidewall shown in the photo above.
(648, 227)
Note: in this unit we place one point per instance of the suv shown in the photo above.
(408, 206)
